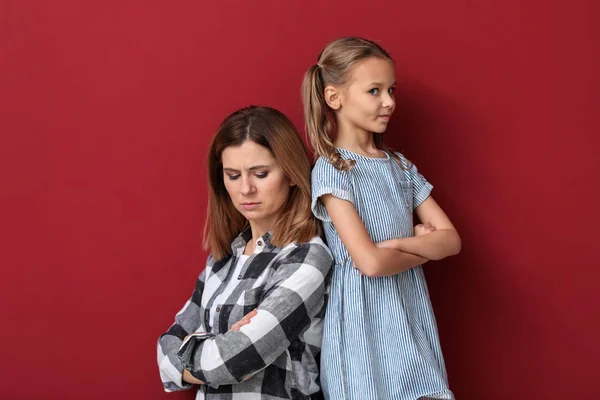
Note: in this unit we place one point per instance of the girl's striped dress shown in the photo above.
(380, 338)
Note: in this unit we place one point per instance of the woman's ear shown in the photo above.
(332, 97)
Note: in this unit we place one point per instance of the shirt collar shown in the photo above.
(262, 243)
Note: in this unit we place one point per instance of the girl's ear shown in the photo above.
(332, 97)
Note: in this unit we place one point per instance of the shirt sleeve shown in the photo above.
(187, 321)
(326, 179)
(293, 296)
(421, 188)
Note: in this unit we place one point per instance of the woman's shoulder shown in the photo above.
(314, 243)
(314, 250)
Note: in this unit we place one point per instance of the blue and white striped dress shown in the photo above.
(380, 338)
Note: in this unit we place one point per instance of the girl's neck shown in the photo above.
(357, 141)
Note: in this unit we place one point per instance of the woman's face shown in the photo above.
(255, 182)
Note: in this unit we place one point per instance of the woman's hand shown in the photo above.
(187, 375)
(244, 321)
(189, 378)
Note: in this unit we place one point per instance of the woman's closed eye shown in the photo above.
(259, 175)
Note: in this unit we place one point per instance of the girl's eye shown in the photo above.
(261, 175)
(232, 177)
(392, 90)
(374, 91)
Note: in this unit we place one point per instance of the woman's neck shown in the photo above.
(258, 230)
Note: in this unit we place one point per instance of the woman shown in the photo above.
(252, 328)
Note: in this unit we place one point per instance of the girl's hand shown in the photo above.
(420, 230)
(244, 321)
(424, 229)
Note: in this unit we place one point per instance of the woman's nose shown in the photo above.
(247, 186)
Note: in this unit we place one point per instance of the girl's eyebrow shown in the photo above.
(380, 84)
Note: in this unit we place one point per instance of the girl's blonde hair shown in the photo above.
(333, 68)
(271, 129)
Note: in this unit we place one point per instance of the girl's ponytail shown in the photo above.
(319, 122)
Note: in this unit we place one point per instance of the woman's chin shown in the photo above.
(251, 215)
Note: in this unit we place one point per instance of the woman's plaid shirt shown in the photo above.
(276, 355)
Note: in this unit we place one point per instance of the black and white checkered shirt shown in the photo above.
(276, 355)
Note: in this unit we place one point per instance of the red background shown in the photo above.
(106, 110)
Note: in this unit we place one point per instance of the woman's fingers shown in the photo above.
(244, 321)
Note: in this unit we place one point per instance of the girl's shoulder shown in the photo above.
(404, 162)
(325, 170)
(322, 164)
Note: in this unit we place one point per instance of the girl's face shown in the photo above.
(256, 184)
(367, 100)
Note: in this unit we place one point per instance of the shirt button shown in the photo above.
(239, 277)
(218, 309)
(259, 243)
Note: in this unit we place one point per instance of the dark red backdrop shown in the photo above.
(106, 109)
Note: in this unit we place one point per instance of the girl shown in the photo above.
(380, 339)
(252, 328)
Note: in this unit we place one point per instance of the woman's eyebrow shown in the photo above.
(253, 168)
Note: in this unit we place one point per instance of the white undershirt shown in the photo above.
(231, 284)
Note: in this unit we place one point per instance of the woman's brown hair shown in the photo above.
(333, 68)
(273, 130)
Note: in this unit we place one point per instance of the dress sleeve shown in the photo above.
(421, 188)
(326, 179)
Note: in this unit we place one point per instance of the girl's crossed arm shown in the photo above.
(444, 241)
(370, 259)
